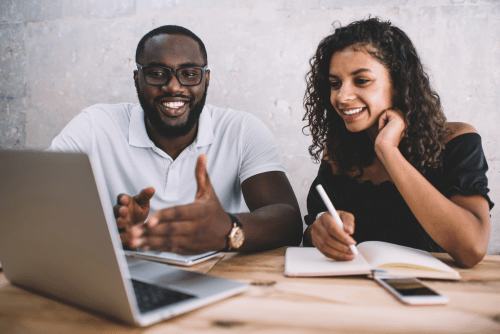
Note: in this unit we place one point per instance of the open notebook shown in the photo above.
(385, 258)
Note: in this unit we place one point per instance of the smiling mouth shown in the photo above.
(174, 105)
(349, 112)
(174, 108)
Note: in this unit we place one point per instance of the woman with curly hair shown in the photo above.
(390, 163)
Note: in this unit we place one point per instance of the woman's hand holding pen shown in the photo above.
(330, 239)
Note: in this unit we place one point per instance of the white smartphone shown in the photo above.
(411, 290)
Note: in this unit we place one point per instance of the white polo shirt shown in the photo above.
(124, 160)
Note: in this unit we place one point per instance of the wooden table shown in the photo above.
(277, 304)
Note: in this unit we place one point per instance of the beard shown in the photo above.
(152, 114)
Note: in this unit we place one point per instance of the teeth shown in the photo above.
(174, 105)
(352, 111)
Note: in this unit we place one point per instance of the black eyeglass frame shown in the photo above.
(203, 70)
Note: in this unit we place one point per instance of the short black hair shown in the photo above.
(169, 30)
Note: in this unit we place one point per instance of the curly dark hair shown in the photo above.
(425, 133)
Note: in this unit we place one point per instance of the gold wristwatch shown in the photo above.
(236, 236)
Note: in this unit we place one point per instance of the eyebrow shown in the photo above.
(361, 70)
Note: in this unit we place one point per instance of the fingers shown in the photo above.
(118, 210)
(181, 237)
(332, 240)
(121, 211)
(125, 239)
(170, 229)
(348, 221)
(389, 115)
(391, 129)
(176, 213)
(131, 210)
(332, 229)
(180, 245)
(332, 252)
(190, 228)
(121, 200)
(202, 179)
(144, 196)
(382, 121)
(122, 221)
(397, 111)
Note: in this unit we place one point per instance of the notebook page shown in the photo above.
(379, 253)
(309, 261)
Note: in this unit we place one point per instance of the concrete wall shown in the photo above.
(58, 57)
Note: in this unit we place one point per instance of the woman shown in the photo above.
(391, 164)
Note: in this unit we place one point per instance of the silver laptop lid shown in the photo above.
(56, 239)
(70, 255)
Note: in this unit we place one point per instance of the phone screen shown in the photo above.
(409, 287)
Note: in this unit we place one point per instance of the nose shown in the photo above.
(173, 85)
(345, 93)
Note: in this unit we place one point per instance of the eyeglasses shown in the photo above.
(159, 76)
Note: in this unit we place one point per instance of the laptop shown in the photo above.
(57, 239)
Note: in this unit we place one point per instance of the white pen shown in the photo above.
(333, 212)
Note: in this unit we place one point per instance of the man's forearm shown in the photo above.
(272, 226)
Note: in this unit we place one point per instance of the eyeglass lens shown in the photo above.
(160, 76)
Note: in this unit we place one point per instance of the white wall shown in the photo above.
(58, 57)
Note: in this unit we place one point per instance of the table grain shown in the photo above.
(278, 304)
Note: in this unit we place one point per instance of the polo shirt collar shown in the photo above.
(205, 135)
(138, 135)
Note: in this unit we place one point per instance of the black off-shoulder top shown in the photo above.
(380, 211)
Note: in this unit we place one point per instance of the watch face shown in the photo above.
(237, 237)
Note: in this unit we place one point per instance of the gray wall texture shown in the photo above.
(58, 57)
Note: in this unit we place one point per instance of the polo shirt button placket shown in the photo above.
(174, 179)
(168, 163)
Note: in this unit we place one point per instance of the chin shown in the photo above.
(177, 121)
(355, 128)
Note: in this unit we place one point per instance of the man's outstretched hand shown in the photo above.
(193, 228)
(130, 211)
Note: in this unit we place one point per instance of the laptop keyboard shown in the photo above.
(151, 297)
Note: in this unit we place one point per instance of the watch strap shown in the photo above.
(234, 220)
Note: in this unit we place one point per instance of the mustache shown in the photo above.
(158, 98)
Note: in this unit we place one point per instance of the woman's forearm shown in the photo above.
(460, 225)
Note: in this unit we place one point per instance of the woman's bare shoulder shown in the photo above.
(458, 128)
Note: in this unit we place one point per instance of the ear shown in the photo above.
(136, 78)
(207, 78)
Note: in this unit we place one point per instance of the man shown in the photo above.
(157, 145)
